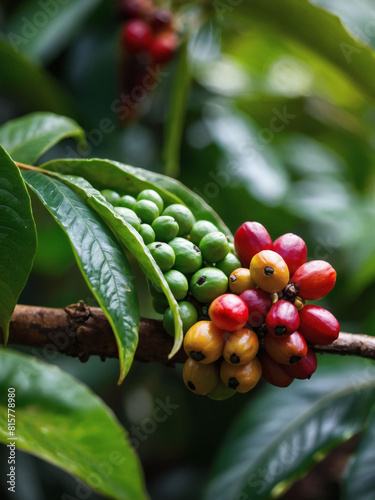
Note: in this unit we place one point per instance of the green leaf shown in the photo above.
(60, 420)
(132, 240)
(359, 477)
(100, 258)
(282, 431)
(17, 238)
(31, 85)
(317, 30)
(27, 138)
(174, 125)
(44, 42)
(111, 174)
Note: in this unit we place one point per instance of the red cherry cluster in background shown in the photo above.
(148, 40)
(269, 299)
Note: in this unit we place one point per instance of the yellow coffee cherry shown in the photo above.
(269, 271)
(200, 378)
(204, 342)
(241, 347)
(241, 378)
(241, 280)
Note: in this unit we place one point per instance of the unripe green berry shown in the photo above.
(208, 283)
(129, 216)
(163, 255)
(152, 195)
(165, 227)
(110, 195)
(146, 210)
(177, 283)
(188, 314)
(214, 246)
(200, 229)
(147, 234)
(183, 216)
(159, 307)
(229, 264)
(188, 256)
(126, 201)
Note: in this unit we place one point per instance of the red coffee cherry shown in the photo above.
(161, 19)
(163, 47)
(318, 325)
(269, 271)
(136, 36)
(241, 347)
(258, 303)
(274, 373)
(228, 312)
(304, 368)
(292, 249)
(314, 279)
(135, 8)
(251, 238)
(282, 319)
(204, 342)
(288, 349)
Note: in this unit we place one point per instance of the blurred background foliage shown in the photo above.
(278, 127)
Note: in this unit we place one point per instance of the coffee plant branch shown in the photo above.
(82, 331)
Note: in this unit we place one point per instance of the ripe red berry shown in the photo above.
(314, 279)
(282, 319)
(251, 238)
(304, 368)
(135, 8)
(292, 249)
(137, 36)
(318, 325)
(287, 349)
(228, 312)
(161, 19)
(274, 372)
(163, 47)
(258, 303)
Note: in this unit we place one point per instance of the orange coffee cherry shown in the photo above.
(241, 347)
(286, 349)
(241, 280)
(241, 378)
(199, 378)
(204, 342)
(269, 271)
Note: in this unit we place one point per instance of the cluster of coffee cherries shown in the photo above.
(148, 40)
(264, 326)
(195, 257)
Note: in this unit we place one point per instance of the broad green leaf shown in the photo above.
(283, 431)
(359, 478)
(304, 23)
(30, 84)
(41, 30)
(17, 238)
(60, 420)
(26, 139)
(111, 174)
(174, 125)
(100, 258)
(132, 240)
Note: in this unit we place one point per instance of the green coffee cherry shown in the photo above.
(188, 314)
(221, 392)
(207, 284)
(188, 256)
(126, 201)
(163, 255)
(129, 216)
(151, 195)
(214, 246)
(200, 229)
(146, 210)
(147, 234)
(110, 195)
(177, 283)
(183, 216)
(156, 292)
(159, 307)
(228, 264)
(231, 247)
(165, 227)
